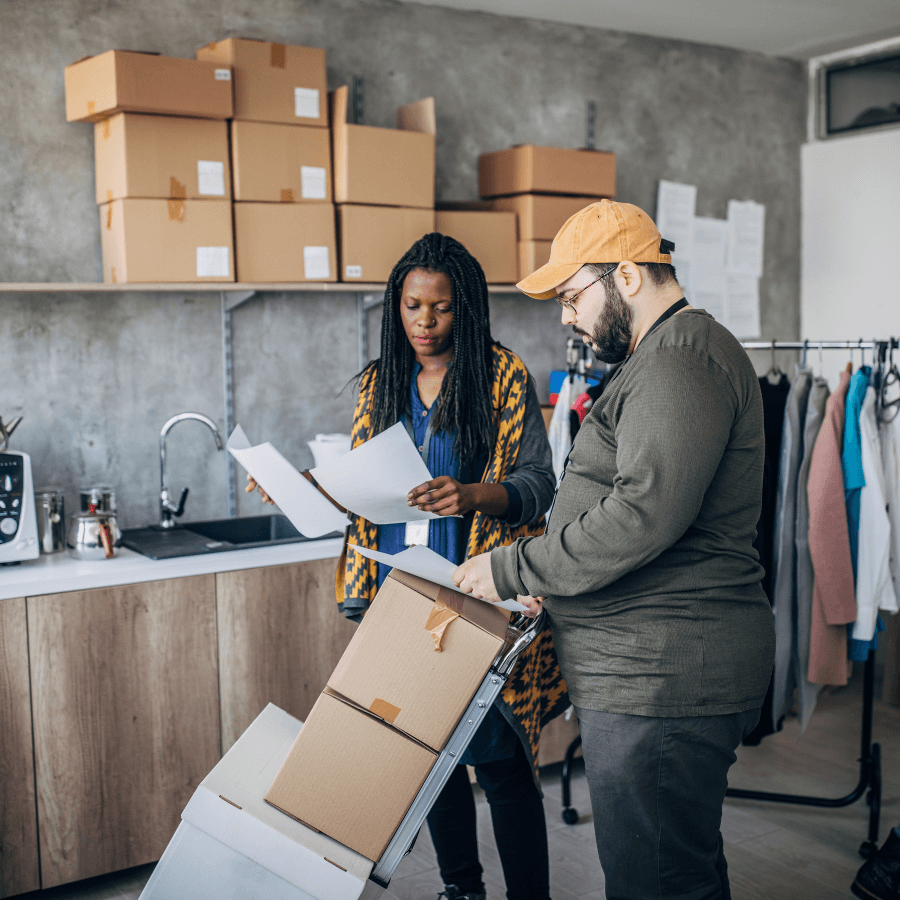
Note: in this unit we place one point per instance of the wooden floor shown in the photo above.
(774, 851)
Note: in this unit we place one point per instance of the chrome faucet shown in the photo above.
(167, 509)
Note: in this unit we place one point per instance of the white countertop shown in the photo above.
(57, 573)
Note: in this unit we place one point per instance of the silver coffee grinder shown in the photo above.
(18, 520)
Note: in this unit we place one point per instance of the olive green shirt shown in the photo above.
(651, 581)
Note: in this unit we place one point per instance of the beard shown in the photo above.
(610, 337)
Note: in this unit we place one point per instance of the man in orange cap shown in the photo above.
(647, 570)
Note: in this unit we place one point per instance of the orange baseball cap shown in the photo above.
(604, 232)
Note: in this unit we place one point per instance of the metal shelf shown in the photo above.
(63, 287)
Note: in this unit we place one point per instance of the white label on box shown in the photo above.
(210, 177)
(316, 263)
(352, 271)
(312, 183)
(306, 103)
(223, 74)
(212, 262)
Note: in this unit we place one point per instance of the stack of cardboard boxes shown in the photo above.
(281, 159)
(162, 171)
(544, 186)
(490, 236)
(383, 186)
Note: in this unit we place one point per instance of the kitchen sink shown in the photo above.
(213, 536)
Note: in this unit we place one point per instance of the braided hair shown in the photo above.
(464, 406)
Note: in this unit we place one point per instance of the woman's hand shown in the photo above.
(253, 486)
(445, 496)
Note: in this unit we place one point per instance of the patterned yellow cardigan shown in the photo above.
(535, 692)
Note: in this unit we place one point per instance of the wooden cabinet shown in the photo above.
(126, 719)
(280, 637)
(19, 870)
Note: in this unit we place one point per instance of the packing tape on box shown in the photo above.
(177, 191)
(109, 193)
(105, 129)
(109, 217)
(439, 620)
(112, 274)
(277, 56)
(287, 195)
(176, 210)
(384, 710)
(91, 106)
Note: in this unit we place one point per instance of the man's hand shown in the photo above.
(443, 495)
(534, 604)
(253, 486)
(474, 577)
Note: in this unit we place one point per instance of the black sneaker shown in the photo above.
(452, 892)
(879, 878)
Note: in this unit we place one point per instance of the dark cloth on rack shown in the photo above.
(783, 557)
(774, 396)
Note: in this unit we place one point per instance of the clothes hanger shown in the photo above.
(888, 409)
(774, 375)
(803, 357)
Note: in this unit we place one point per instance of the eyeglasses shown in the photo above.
(569, 302)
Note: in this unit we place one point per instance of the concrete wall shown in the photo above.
(96, 376)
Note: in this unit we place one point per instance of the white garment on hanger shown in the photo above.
(874, 587)
(559, 433)
(890, 460)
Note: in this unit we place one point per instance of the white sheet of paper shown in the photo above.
(309, 512)
(742, 305)
(746, 237)
(675, 206)
(427, 564)
(374, 479)
(708, 255)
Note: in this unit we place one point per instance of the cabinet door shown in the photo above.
(18, 816)
(280, 637)
(126, 719)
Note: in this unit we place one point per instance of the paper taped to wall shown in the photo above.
(374, 479)
(427, 564)
(308, 511)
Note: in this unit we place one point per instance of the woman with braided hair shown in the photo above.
(472, 410)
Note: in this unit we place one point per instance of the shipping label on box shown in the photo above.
(373, 238)
(350, 776)
(125, 81)
(280, 163)
(392, 668)
(529, 169)
(278, 83)
(489, 236)
(165, 157)
(384, 166)
(166, 241)
(285, 242)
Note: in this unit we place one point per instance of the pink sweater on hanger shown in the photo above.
(834, 600)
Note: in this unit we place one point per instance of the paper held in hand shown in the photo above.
(427, 564)
(309, 512)
(374, 479)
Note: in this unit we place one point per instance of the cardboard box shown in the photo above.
(391, 666)
(489, 236)
(125, 81)
(373, 238)
(533, 255)
(280, 163)
(166, 157)
(381, 165)
(285, 242)
(273, 82)
(232, 845)
(350, 776)
(540, 216)
(166, 240)
(528, 169)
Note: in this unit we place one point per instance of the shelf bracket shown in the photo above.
(234, 299)
(590, 141)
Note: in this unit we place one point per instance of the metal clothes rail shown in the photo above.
(870, 754)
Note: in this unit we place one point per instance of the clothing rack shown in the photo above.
(870, 754)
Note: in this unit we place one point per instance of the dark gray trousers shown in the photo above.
(657, 786)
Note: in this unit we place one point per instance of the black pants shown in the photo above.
(520, 831)
(657, 787)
